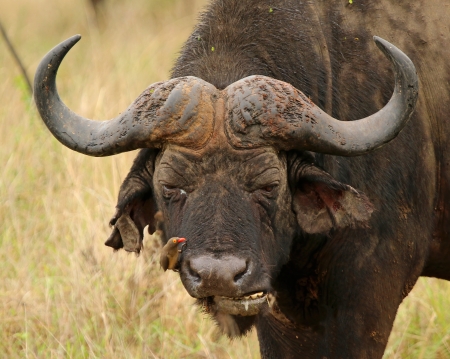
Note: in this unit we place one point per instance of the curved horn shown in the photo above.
(266, 111)
(179, 110)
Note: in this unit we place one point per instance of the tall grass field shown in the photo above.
(63, 294)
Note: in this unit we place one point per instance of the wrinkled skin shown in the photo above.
(254, 192)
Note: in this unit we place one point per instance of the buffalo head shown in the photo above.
(231, 171)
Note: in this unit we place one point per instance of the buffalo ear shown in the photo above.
(136, 207)
(321, 203)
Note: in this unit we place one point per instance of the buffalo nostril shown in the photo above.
(240, 274)
(196, 276)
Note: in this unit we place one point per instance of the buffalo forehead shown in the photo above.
(215, 158)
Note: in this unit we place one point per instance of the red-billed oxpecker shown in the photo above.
(170, 253)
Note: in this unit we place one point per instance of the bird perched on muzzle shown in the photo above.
(170, 253)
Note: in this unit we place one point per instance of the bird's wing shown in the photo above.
(164, 261)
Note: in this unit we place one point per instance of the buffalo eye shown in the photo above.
(268, 189)
(171, 191)
(263, 182)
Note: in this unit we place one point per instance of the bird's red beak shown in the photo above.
(181, 240)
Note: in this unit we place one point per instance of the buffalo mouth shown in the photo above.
(246, 305)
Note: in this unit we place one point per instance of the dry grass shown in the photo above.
(63, 294)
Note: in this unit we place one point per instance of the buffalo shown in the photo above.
(271, 150)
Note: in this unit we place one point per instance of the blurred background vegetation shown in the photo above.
(63, 294)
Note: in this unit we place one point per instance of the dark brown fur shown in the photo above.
(338, 260)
